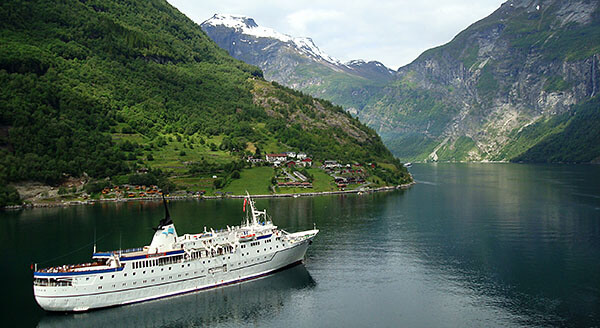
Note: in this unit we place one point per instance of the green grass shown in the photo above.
(322, 182)
(256, 181)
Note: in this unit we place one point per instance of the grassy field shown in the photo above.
(256, 180)
(321, 182)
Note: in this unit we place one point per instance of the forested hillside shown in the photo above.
(100, 87)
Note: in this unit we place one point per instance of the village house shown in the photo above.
(307, 162)
(331, 164)
(254, 160)
(301, 156)
(272, 158)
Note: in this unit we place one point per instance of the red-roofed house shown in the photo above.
(307, 162)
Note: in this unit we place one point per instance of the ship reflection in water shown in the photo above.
(234, 304)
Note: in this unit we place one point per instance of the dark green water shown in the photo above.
(471, 245)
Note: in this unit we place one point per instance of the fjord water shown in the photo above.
(470, 245)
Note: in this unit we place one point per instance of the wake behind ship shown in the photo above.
(173, 264)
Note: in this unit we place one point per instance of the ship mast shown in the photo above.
(253, 211)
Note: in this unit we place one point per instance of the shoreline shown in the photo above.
(120, 200)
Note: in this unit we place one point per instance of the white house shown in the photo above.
(272, 158)
(307, 162)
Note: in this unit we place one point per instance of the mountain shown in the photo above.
(102, 88)
(502, 86)
(296, 61)
(502, 89)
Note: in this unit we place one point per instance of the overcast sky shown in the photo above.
(393, 32)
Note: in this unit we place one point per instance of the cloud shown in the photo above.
(394, 32)
(300, 21)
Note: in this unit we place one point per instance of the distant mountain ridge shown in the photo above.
(296, 61)
(509, 82)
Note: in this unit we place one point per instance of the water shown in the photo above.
(470, 245)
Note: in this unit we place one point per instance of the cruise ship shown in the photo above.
(173, 265)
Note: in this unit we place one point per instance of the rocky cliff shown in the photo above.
(479, 96)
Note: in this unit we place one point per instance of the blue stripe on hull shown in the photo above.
(263, 237)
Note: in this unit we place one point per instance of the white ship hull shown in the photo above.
(148, 275)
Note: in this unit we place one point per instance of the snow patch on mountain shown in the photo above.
(248, 26)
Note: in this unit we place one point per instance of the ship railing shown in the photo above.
(121, 251)
(71, 267)
(129, 250)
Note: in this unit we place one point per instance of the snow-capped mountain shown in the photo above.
(279, 54)
(244, 25)
(297, 62)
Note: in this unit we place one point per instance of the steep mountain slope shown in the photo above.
(499, 88)
(97, 87)
(480, 96)
(297, 62)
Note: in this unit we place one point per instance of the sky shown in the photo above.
(394, 32)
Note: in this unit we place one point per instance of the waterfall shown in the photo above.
(593, 76)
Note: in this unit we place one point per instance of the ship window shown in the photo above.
(144, 272)
(152, 271)
(101, 277)
(113, 276)
(124, 284)
(99, 287)
(134, 273)
(125, 275)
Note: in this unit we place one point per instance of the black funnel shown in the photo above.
(167, 220)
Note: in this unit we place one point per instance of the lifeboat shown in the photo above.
(247, 237)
